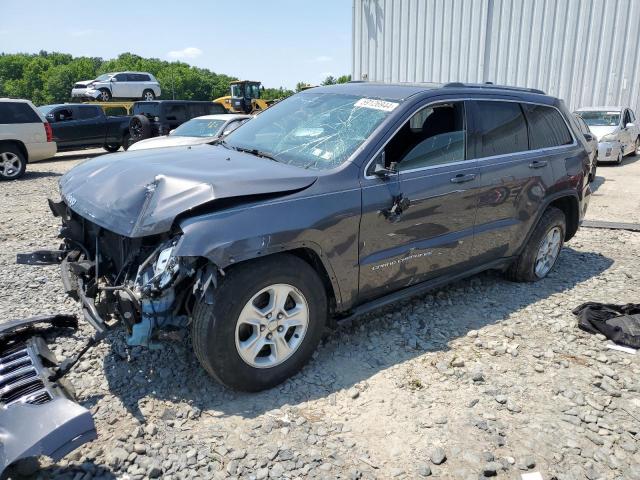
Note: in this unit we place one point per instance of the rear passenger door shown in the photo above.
(515, 145)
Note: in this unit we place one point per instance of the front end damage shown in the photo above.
(136, 281)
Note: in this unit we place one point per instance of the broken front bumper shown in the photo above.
(38, 415)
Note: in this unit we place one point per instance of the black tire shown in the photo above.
(620, 158)
(126, 142)
(214, 326)
(523, 268)
(139, 128)
(12, 162)
(148, 95)
(105, 95)
(637, 145)
(112, 147)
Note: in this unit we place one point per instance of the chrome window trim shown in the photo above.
(472, 99)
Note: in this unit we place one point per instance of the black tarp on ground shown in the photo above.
(619, 323)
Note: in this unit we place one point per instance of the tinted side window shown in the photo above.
(632, 115)
(547, 128)
(176, 113)
(138, 77)
(499, 129)
(213, 108)
(85, 113)
(432, 136)
(122, 77)
(17, 112)
(627, 118)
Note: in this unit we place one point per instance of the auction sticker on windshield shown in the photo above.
(376, 104)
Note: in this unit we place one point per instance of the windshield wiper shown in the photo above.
(256, 152)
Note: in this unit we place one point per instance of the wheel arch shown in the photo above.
(310, 254)
(570, 206)
(21, 146)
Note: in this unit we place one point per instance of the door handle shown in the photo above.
(461, 178)
(538, 164)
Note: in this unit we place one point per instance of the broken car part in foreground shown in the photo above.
(38, 415)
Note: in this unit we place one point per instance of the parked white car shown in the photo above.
(616, 130)
(135, 85)
(197, 131)
(25, 136)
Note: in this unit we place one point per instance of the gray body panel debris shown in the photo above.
(633, 227)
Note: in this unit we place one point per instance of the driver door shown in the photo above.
(120, 86)
(418, 223)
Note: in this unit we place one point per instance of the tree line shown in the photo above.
(48, 77)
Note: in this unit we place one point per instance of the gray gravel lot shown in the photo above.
(482, 378)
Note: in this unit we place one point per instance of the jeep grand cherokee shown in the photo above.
(335, 201)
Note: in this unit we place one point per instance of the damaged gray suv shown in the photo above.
(333, 202)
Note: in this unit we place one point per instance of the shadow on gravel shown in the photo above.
(28, 175)
(597, 183)
(351, 354)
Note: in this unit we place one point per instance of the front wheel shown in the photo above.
(264, 324)
(105, 95)
(112, 147)
(542, 250)
(636, 147)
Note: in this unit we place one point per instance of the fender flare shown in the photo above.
(547, 202)
(229, 254)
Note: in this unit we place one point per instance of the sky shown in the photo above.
(278, 42)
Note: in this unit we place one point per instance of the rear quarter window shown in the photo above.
(547, 128)
(499, 128)
(17, 112)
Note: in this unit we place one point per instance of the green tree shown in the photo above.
(330, 80)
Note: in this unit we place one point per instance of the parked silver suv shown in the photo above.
(118, 85)
(616, 130)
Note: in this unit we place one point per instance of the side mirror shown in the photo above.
(171, 131)
(113, 79)
(630, 125)
(380, 169)
(588, 137)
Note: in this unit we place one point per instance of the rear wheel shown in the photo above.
(265, 323)
(12, 162)
(542, 250)
(139, 128)
(105, 95)
(148, 95)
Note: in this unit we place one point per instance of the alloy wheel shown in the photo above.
(272, 326)
(104, 96)
(548, 252)
(148, 96)
(10, 165)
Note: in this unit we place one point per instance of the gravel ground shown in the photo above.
(481, 378)
(616, 196)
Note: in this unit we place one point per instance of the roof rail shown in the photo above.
(492, 86)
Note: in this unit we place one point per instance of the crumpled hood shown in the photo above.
(83, 82)
(601, 131)
(169, 141)
(140, 193)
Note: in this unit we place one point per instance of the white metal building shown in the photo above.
(584, 51)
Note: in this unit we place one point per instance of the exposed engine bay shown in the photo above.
(137, 281)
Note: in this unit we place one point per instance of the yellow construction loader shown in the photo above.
(244, 98)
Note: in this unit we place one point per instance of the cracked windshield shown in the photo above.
(316, 131)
